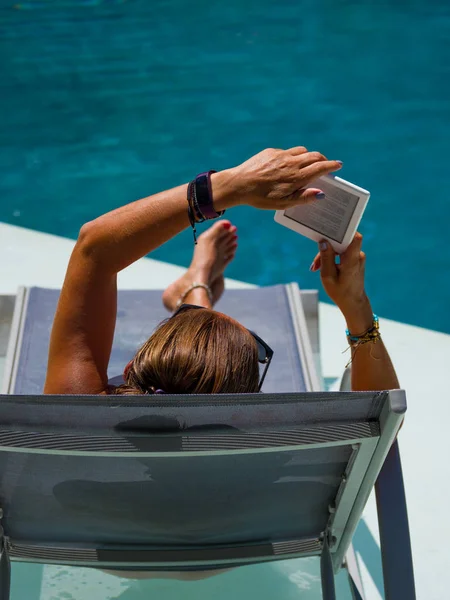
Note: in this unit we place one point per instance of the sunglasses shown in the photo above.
(265, 353)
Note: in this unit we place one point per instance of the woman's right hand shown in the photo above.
(344, 283)
(276, 179)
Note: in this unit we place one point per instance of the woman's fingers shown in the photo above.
(315, 265)
(352, 254)
(328, 269)
(297, 150)
(307, 158)
(306, 168)
(304, 196)
(317, 168)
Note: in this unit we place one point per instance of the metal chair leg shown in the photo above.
(396, 555)
(326, 571)
(5, 569)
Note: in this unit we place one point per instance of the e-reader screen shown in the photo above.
(330, 216)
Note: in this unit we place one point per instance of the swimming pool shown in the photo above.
(107, 101)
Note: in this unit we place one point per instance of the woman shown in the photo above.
(186, 353)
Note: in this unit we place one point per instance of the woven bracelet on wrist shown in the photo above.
(372, 335)
(200, 201)
(193, 215)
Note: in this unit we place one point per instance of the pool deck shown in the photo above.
(421, 359)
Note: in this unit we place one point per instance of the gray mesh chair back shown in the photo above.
(189, 482)
(275, 313)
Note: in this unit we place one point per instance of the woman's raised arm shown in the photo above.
(83, 328)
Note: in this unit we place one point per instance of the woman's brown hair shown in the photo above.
(195, 352)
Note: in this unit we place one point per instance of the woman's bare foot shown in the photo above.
(215, 250)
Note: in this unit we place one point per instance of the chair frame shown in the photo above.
(375, 458)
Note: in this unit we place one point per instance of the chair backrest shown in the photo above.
(275, 313)
(189, 481)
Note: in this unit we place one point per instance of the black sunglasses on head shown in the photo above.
(265, 352)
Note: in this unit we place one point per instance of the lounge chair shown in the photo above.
(188, 483)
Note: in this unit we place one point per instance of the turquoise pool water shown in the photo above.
(107, 101)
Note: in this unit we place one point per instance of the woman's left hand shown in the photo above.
(276, 179)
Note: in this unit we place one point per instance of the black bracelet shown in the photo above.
(194, 214)
(204, 195)
(193, 204)
(200, 201)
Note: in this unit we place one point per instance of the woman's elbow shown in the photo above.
(89, 239)
(94, 245)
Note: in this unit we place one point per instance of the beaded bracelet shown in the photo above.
(371, 335)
